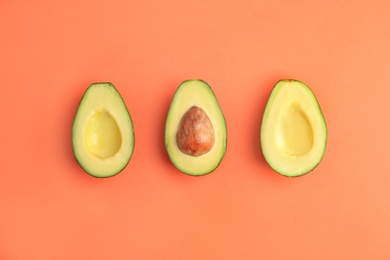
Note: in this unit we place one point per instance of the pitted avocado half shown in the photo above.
(103, 131)
(293, 130)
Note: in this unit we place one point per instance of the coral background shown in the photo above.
(50, 51)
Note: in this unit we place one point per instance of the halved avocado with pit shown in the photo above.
(195, 129)
(293, 131)
(102, 132)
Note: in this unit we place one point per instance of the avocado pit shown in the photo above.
(195, 135)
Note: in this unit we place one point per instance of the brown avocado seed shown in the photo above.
(195, 135)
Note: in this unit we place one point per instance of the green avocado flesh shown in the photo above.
(195, 129)
(293, 131)
(102, 132)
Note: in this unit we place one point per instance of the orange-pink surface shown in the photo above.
(50, 51)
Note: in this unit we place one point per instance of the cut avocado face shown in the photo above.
(103, 132)
(293, 130)
(195, 129)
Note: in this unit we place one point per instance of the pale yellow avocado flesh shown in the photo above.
(195, 93)
(103, 138)
(103, 132)
(293, 131)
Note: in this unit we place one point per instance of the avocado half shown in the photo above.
(293, 131)
(102, 132)
(195, 129)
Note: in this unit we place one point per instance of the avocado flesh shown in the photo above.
(198, 94)
(293, 131)
(102, 132)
